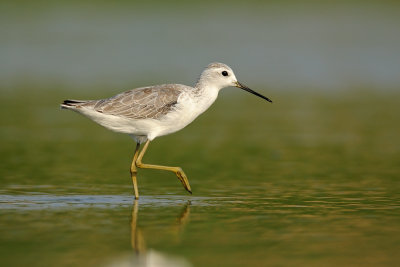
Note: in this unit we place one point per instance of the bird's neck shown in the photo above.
(203, 86)
(204, 95)
(205, 90)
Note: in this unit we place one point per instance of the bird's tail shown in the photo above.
(72, 104)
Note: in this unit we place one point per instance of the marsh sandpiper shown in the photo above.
(149, 112)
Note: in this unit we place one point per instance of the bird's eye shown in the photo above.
(224, 73)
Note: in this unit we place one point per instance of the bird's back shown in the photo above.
(140, 103)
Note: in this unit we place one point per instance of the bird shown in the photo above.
(146, 113)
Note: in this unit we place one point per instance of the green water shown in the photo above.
(310, 180)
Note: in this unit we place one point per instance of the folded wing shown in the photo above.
(141, 103)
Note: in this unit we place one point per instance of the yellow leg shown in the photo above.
(177, 170)
(134, 171)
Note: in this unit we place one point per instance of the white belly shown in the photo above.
(186, 110)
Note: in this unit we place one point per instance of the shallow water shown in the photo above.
(310, 180)
(261, 230)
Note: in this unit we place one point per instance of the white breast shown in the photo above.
(188, 108)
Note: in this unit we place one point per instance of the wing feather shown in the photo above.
(141, 103)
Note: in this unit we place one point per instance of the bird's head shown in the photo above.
(219, 75)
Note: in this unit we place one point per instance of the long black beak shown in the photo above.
(244, 87)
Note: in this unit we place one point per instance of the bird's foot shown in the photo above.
(184, 180)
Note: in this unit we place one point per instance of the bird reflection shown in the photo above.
(137, 240)
(145, 258)
(182, 219)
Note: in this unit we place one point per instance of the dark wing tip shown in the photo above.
(71, 102)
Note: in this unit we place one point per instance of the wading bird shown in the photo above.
(149, 112)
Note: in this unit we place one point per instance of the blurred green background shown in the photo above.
(310, 180)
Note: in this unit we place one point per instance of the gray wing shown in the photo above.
(141, 103)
